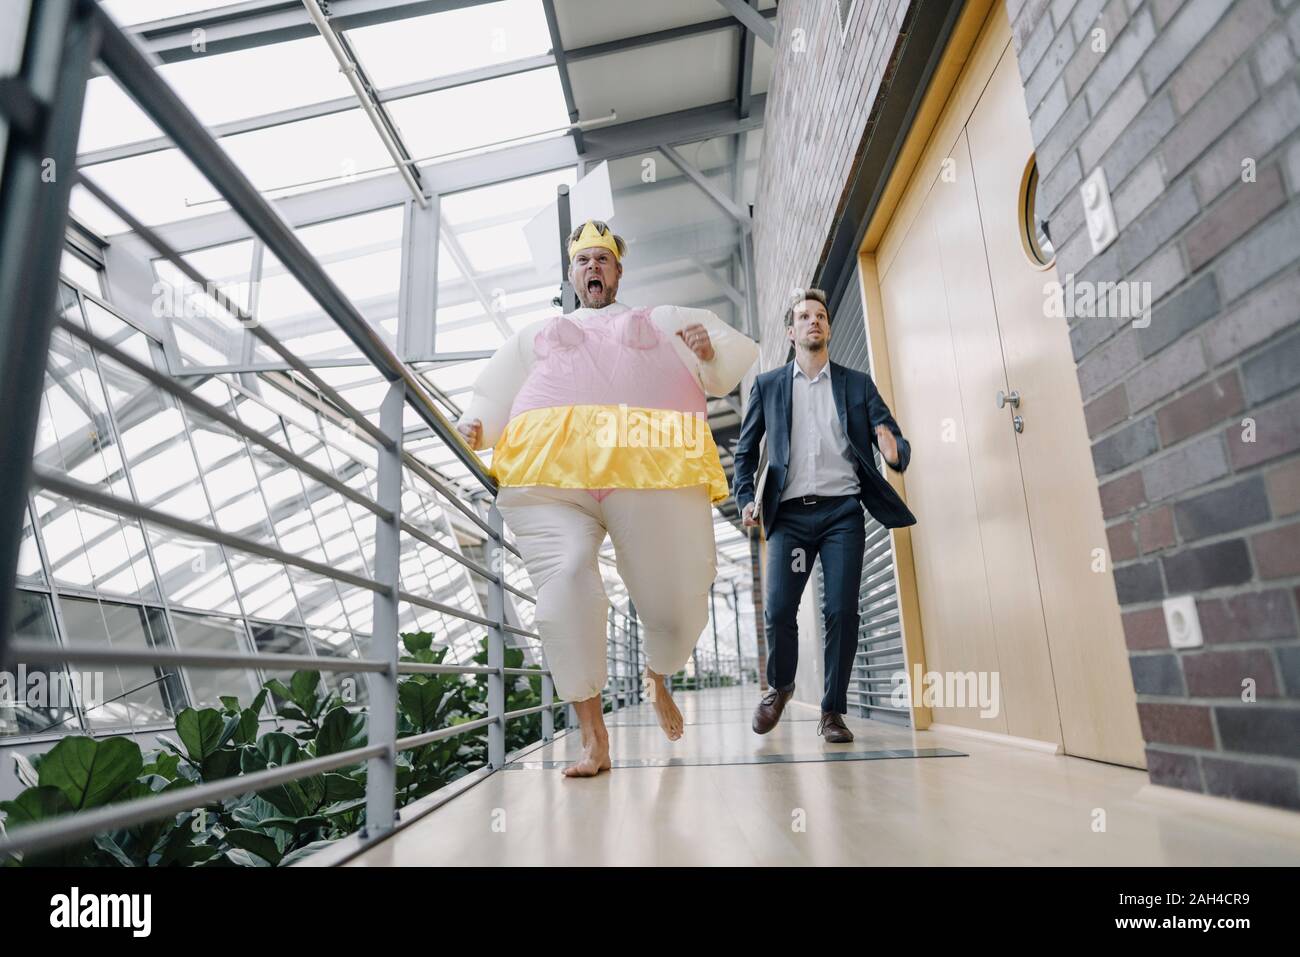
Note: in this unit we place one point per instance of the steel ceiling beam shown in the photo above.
(658, 36)
(754, 21)
(719, 280)
(674, 129)
(529, 159)
(260, 22)
(350, 66)
(257, 23)
(721, 199)
(745, 71)
(562, 67)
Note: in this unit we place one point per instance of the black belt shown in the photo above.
(815, 499)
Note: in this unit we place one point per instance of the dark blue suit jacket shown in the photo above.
(861, 409)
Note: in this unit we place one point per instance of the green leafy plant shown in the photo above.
(279, 825)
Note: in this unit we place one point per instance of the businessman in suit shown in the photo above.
(821, 420)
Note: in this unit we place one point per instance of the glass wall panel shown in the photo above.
(165, 473)
(88, 548)
(233, 487)
(21, 713)
(72, 266)
(279, 640)
(30, 571)
(210, 633)
(350, 686)
(133, 694)
(206, 333)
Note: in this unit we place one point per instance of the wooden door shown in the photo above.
(1004, 551)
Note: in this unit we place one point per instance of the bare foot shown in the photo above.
(595, 740)
(595, 758)
(670, 719)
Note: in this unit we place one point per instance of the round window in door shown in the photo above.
(1035, 231)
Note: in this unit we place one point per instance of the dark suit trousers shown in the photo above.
(835, 530)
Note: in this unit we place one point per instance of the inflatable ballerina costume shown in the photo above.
(598, 423)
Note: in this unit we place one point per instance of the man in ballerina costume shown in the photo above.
(598, 424)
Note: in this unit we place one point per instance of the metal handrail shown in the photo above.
(187, 396)
(37, 837)
(80, 491)
(34, 651)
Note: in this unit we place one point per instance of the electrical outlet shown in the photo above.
(1182, 622)
(1098, 213)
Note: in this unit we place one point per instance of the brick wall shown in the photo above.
(824, 82)
(1195, 419)
(1183, 93)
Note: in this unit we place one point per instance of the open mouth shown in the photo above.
(595, 287)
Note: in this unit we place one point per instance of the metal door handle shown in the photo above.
(1012, 397)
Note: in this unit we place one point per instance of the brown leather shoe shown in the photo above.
(768, 712)
(833, 729)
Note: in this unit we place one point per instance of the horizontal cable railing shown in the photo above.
(132, 69)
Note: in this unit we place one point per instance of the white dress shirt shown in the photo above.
(821, 462)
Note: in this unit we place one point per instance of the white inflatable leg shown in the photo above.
(559, 533)
(663, 540)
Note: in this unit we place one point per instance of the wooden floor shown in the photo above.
(999, 804)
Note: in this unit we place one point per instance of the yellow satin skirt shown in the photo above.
(609, 446)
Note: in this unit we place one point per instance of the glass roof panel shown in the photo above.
(165, 187)
(495, 247)
(439, 44)
(259, 80)
(671, 227)
(109, 117)
(218, 89)
(362, 254)
(155, 188)
(481, 114)
(488, 227)
(519, 199)
(93, 214)
(144, 11)
(324, 147)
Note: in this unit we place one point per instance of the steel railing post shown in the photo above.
(740, 658)
(548, 700)
(496, 652)
(381, 775)
(713, 623)
(39, 167)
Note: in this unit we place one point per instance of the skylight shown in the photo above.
(440, 44)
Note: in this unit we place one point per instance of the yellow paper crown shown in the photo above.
(591, 236)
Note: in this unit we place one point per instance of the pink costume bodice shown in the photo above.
(608, 360)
